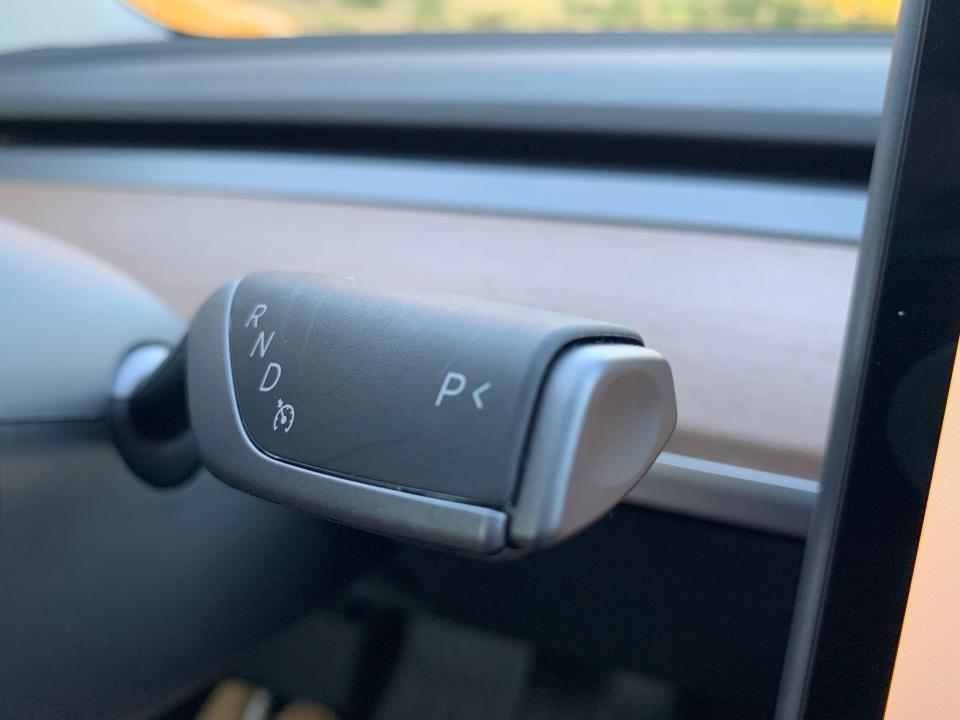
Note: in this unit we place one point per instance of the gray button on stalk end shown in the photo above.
(606, 412)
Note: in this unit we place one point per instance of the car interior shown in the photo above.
(395, 491)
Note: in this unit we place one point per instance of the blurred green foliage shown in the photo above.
(401, 16)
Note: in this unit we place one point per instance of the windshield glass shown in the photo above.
(28, 24)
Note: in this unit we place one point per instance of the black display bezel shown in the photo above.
(899, 353)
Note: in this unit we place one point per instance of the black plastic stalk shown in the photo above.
(158, 406)
(151, 424)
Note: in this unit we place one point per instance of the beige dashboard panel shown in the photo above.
(752, 326)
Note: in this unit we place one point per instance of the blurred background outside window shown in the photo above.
(30, 24)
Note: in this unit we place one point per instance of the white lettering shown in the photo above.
(257, 313)
(448, 389)
(262, 343)
(271, 377)
(478, 392)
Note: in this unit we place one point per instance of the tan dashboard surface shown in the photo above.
(752, 326)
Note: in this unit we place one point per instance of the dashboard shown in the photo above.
(724, 305)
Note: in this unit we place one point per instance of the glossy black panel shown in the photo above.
(902, 340)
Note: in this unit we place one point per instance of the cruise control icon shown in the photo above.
(284, 416)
